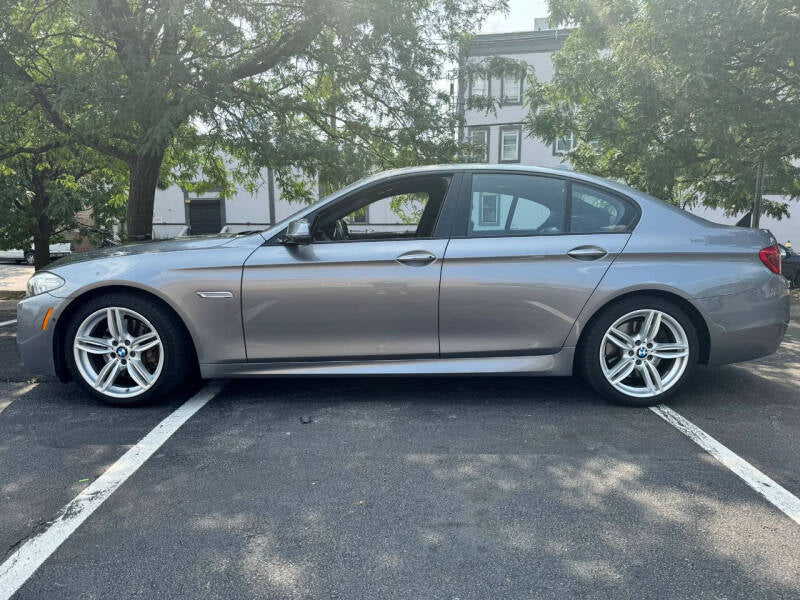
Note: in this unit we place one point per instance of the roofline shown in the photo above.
(562, 172)
(517, 42)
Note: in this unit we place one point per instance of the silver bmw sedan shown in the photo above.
(489, 270)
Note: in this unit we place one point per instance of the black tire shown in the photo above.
(29, 258)
(587, 361)
(178, 361)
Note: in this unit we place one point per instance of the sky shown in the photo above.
(519, 18)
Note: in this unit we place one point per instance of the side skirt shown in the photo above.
(559, 363)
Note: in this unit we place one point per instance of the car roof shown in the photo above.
(563, 171)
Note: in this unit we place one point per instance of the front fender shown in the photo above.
(215, 324)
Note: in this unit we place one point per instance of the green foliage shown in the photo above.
(335, 87)
(45, 182)
(680, 98)
(409, 207)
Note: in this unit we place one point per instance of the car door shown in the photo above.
(372, 295)
(530, 252)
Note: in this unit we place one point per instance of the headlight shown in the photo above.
(42, 282)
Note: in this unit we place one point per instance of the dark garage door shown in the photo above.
(204, 216)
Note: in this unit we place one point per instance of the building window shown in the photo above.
(490, 210)
(361, 216)
(511, 89)
(479, 86)
(479, 140)
(564, 144)
(511, 204)
(510, 138)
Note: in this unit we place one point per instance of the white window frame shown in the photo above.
(486, 87)
(504, 80)
(470, 134)
(494, 198)
(560, 151)
(517, 130)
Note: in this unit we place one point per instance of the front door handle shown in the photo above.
(416, 258)
(587, 253)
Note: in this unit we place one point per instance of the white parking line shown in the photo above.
(27, 558)
(11, 322)
(779, 496)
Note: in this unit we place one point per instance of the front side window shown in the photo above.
(510, 144)
(516, 205)
(404, 209)
(595, 211)
(479, 140)
(512, 89)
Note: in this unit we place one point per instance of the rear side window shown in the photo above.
(516, 205)
(594, 211)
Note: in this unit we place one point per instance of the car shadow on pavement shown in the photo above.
(433, 488)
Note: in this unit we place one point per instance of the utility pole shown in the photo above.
(756, 217)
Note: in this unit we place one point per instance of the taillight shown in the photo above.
(771, 257)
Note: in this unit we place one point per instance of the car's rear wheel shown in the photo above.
(126, 350)
(639, 351)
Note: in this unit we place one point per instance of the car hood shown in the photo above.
(149, 247)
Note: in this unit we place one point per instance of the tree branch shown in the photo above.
(10, 66)
(33, 150)
(289, 44)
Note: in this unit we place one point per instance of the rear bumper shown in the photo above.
(35, 344)
(747, 325)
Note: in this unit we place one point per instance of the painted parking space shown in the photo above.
(754, 408)
(459, 487)
(54, 441)
(446, 488)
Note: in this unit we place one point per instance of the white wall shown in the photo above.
(245, 210)
(532, 151)
(783, 230)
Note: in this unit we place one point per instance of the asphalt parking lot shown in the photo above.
(408, 488)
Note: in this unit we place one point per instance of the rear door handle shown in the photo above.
(587, 253)
(416, 258)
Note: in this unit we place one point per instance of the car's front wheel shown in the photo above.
(126, 350)
(639, 351)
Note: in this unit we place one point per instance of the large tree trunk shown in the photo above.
(42, 228)
(41, 248)
(141, 196)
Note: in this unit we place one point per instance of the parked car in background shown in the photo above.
(497, 270)
(56, 251)
(791, 265)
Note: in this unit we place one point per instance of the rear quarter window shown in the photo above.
(595, 211)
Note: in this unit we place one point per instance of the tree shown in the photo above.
(684, 99)
(45, 182)
(316, 79)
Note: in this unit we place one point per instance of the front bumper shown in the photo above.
(36, 344)
(747, 325)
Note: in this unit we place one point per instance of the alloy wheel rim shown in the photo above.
(118, 352)
(644, 353)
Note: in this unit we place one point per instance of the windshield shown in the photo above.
(307, 208)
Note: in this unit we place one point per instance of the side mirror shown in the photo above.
(298, 232)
